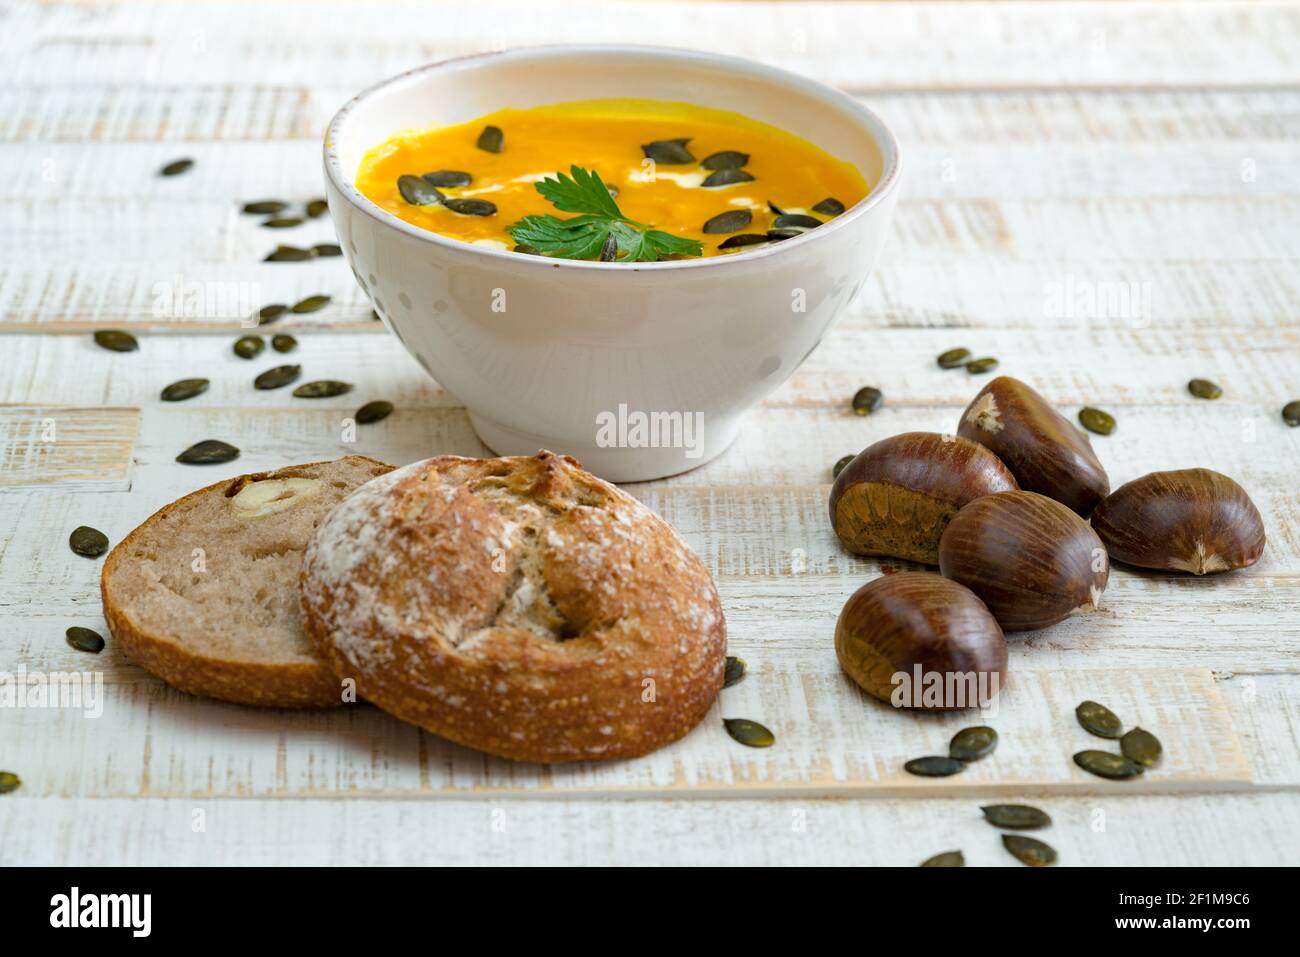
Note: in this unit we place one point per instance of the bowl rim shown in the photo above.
(878, 128)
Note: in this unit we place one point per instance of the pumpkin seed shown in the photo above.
(1016, 817)
(317, 208)
(729, 221)
(727, 159)
(743, 239)
(324, 250)
(527, 250)
(1204, 389)
(838, 467)
(1095, 420)
(726, 177)
(775, 208)
(971, 744)
(953, 358)
(734, 671)
(278, 377)
(87, 541)
(283, 343)
(830, 206)
(1104, 764)
(934, 766)
(867, 400)
(946, 859)
(289, 254)
(448, 178)
(1141, 747)
(491, 140)
(322, 389)
(418, 191)
(472, 207)
(184, 389)
(1099, 720)
(777, 235)
(116, 340)
(1291, 413)
(282, 222)
(977, 366)
(9, 782)
(373, 412)
(1029, 850)
(749, 733)
(83, 639)
(266, 207)
(609, 250)
(795, 221)
(176, 167)
(669, 152)
(268, 314)
(310, 304)
(208, 452)
(249, 347)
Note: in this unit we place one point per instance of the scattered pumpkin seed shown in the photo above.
(1095, 420)
(729, 221)
(268, 314)
(977, 366)
(448, 178)
(795, 221)
(116, 340)
(317, 208)
(208, 452)
(1099, 720)
(1029, 850)
(249, 347)
(491, 140)
(277, 377)
(838, 467)
(726, 159)
(282, 222)
(946, 859)
(283, 343)
(1142, 747)
(289, 254)
(418, 191)
(726, 177)
(527, 250)
(324, 250)
(669, 152)
(775, 208)
(9, 782)
(310, 304)
(472, 207)
(1105, 764)
(867, 400)
(373, 412)
(1291, 413)
(743, 239)
(1204, 389)
(749, 733)
(322, 389)
(609, 249)
(83, 639)
(266, 207)
(734, 671)
(176, 167)
(184, 389)
(830, 206)
(87, 541)
(777, 235)
(1016, 817)
(971, 744)
(934, 766)
(953, 358)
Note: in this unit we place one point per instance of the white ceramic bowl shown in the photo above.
(640, 371)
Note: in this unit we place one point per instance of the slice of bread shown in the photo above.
(204, 594)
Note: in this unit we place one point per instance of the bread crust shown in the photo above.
(520, 606)
(260, 683)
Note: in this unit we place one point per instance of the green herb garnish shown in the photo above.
(583, 237)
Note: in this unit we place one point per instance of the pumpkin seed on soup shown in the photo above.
(327, 249)
(88, 542)
(526, 249)
(373, 412)
(322, 389)
(777, 235)
(278, 377)
(266, 207)
(1099, 720)
(9, 782)
(733, 672)
(84, 639)
(971, 744)
(726, 177)
(743, 239)
(946, 859)
(289, 254)
(1291, 413)
(1095, 420)
(749, 733)
(953, 358)
(491, 140)
(729, 221)
(1204, 389)
(795, 220)
(1105, 764)
(867, 400)
(310, 304)
(418, 191)
(777, 210)
(184, 389)
(249, 347)
(1142, 747)
(978, 366)
(282, 222)
(271, 313)
(934, 766)
(1016, 817)
(208, 452)
(283, 343)
(471, 207)
(726, 159)
(830, 206)
(669, 152)
(609, 250)
(317, 208)
(838, 467)
(115, 340)
(1029, 850)
(448, 178)
(176, 167)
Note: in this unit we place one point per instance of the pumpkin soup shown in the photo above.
(610, 180)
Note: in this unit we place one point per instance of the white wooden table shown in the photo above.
(1105, 196)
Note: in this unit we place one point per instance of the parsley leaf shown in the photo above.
(583, 236)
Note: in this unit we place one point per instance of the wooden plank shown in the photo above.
(67, 446)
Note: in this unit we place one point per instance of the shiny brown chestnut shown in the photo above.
(897, 496)
(918, 640)
(1030, 559)
(1042, 448)
(1188, 520)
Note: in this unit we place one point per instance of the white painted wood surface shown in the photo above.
(1103, 195)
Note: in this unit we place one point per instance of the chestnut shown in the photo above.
(1189, 520)
(1030, 559)
(918, 640)
(896, 497)
(1043, 449)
